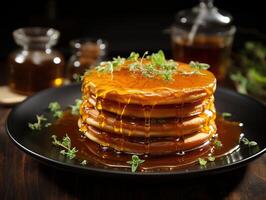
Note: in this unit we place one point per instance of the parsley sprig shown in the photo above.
(37, 126)
(67, 151)
(135, 162)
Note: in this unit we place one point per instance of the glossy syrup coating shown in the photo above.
(125, 86)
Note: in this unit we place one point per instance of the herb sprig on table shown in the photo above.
(249, 74)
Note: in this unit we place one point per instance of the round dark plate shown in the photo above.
(243, 109)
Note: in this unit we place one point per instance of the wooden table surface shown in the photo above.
(22, 177)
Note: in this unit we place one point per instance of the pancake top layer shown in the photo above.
(149, 80)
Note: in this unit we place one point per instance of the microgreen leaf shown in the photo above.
(84, 162)
(198, 65)
(211, 158)
(158, 58)
(202, 162)
(133, 56)
(135, 162)
(218, 144)
(248, 142)
(226, 115)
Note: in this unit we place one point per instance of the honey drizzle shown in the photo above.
(147, 117)
(103, 157)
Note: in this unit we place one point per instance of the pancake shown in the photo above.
(148, 105)
(157, 111)
(158, 146)
(137, 128)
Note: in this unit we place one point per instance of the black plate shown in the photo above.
(243, 108)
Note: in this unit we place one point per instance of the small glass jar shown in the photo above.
(87, 52)
(36, 65)
(204, 34)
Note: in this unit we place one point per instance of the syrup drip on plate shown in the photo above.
(104, 157)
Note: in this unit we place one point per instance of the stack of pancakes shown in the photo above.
(134, 114)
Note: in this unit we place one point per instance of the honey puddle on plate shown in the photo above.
(228, 133)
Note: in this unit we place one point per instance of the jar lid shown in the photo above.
(206, 19)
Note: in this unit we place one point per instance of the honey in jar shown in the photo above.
(36, 66)
(204, 34)
(87, 52)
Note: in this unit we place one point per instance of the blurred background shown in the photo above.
(126, 26)
(136, 25)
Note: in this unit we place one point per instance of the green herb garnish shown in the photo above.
(218, 144)
(110, 66)
(185, 73)
(133, 56)
(135, 162)
(78, 77)
(158, 65)
(55, 108)
(67, 151)
(37, 126)
(202, 162)
(75, 107)
(84, 162)
(241, 82)
(248, 142)
(198, 65)
(249, 74)
(226, 115)
(211, 158)
(47, 124)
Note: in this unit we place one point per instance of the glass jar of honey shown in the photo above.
(87, 52)
(35, 66)
(204, 34)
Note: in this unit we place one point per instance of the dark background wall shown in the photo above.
(127, 25)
